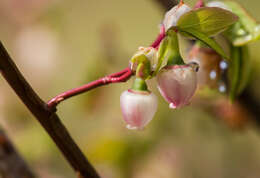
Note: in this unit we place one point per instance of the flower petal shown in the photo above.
(138, 108)
(177, 84)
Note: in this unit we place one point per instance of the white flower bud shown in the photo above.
(138, 108)
(218, 4)
(177, 84)
(172, 16)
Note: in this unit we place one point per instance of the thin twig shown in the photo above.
(12, 164)
(160, 37)
(47, 118)
(121, 76)
(118, 74)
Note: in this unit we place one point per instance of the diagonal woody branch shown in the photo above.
(11, 163)
(47, 118)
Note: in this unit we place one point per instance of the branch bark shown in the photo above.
(11, 163)
(167, 4)
(47, 117)
(250, 102)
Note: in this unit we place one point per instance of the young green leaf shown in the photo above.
(207, 20)
(204, 38)
(246, 29)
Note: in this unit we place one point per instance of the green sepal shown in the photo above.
(143, 69)
(139, 85)
(173, 57)
(138, 58)
(169, 51)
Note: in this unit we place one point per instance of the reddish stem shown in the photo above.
(199, 4)
(118, 77)
(118, 74)
(160, 37)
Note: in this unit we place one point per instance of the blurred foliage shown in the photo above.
(94, 38)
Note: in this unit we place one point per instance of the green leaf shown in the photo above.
(246, 29)
(207, 20)
(206, 39)
(239, 71)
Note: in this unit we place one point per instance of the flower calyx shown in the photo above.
(143, 62)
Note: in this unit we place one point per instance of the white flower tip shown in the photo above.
(172, 106)
(173, 15)
(130, 127)
(218, 4)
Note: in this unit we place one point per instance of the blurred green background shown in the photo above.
(59, 45)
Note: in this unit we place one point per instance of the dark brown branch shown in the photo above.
(250, 102)
(11, 163)
(47, 118)
(167, 4)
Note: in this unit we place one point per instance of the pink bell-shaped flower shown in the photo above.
(138, 108)
(177, 84)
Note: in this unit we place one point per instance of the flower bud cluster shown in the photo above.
(177, 81)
